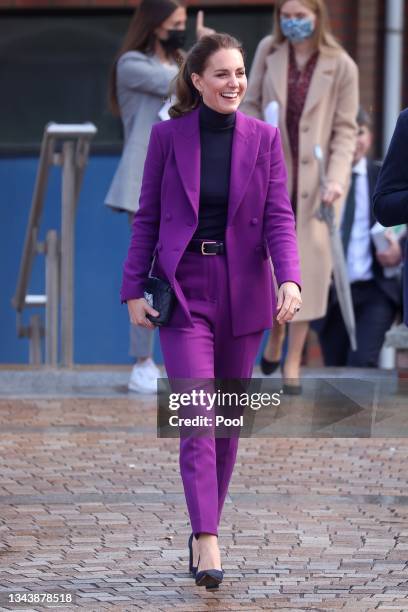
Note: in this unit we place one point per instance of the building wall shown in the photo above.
(343, 19)
(358, 24)
(369, 57)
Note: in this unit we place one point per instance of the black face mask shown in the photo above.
(176, 40)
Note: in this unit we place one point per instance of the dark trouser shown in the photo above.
(374, 313)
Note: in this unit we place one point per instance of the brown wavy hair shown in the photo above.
(322, 35)
(149, 15)
(196, 60)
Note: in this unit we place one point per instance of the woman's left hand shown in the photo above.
(289, 302)
(331, 192)
(201, 29)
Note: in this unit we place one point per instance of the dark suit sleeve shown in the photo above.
(390, 198)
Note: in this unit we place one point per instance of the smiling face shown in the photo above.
(223, 83)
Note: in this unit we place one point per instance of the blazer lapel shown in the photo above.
(245, 145)
(278, 66)
(322, 77)
(277, 69)
(277, 75)
(187, 150)
(186, 143)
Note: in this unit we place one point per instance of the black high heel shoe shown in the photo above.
(290, 389)
(268, 367)
(210, 578)
(192, 568)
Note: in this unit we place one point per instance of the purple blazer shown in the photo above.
(260, 220)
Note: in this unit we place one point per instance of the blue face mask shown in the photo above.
(295, 29)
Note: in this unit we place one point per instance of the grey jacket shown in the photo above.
(143, 84)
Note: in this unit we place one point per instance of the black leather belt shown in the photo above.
(206, 247)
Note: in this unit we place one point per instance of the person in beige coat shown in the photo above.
(312, 84)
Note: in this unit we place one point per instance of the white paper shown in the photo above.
(381, 244)
(164, 111)
(271, 113)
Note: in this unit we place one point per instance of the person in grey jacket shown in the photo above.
(141, 76)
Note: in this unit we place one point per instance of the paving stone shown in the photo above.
(89, 505)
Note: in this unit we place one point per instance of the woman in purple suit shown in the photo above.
(214, 208)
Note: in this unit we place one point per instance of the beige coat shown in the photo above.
(328, 119)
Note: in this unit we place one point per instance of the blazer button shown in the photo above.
(258, 249)
(176, 249)
(167, 216)
(305, 160)
(305, 194)
(254, 221)
(305, 128)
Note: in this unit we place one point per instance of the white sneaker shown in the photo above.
(143, 378)
(154, 370)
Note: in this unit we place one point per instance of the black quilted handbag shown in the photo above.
(159, 294)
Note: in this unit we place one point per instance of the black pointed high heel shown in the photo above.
(210, 578)
(192, 568)
(268, 367)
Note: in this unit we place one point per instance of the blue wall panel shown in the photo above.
(102, 236)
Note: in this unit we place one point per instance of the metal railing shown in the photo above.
(72, 156)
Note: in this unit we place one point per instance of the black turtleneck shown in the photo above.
(216, 131)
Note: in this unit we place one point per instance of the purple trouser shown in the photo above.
(207, 351)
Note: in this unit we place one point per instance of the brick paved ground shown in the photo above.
(91, 502)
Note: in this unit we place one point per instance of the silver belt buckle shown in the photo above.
(207, 242)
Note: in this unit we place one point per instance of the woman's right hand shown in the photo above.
(331, 192)
(138, 309)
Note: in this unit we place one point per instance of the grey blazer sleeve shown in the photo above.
(142, 73)
(391, 193)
